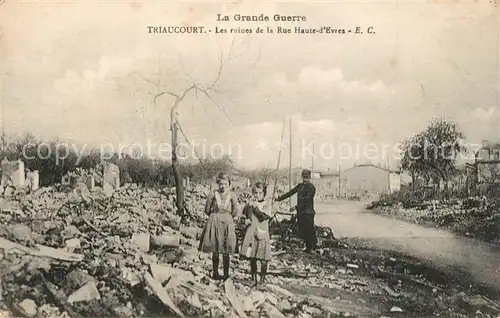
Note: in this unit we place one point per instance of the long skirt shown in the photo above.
(219, 235)
(256, 246)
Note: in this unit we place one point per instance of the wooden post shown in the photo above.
(339, 181)
(175, 161)
(290, 163)
(276, 178)
(313, 156)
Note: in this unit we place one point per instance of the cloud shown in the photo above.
(480, 123)
(315, 78)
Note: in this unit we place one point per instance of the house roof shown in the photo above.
(490, 145)
(373, 166)
(329, 174)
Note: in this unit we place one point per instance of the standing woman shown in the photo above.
(219, 236)
(257, 241)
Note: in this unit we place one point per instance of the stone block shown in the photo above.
(13, 173)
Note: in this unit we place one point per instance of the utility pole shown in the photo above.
(313, 157)
(175, 160)
(4, 141)
(276, 178)
(339, 181)
(290, 161)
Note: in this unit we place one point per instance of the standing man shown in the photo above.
(305, 209)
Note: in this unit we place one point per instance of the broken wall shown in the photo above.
(13, 173)
(33, 178)
(111, 175)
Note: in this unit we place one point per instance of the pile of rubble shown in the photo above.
(474, 216)
(125, 253)
(85, 174)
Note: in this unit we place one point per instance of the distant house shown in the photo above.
(371, 178)
(12, 173)
(359, 179)
(327, 183)
(487, 162)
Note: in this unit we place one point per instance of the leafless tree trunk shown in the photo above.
(179, 190)
(175, 127)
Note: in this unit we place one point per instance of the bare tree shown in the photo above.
(195, 88)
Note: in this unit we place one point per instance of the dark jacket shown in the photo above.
(305, 198)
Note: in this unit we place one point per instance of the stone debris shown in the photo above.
(13, 173)
(93, 249)
(111, 175)
(28, 308)
(473, 216)
(85, 293)
(92, 252)
(396, 309)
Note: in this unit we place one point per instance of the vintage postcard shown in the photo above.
(250, 158)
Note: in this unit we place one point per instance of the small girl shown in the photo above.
(257, 242)
(219, 236)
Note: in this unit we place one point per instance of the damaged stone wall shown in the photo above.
(33, 179)
(111, 175)
(12, 173)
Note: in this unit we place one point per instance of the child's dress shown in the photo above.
(219, 235)
(257, 240)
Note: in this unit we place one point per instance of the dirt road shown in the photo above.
(443, 249)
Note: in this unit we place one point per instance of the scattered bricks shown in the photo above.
(194, 300)
(76, 279)
(21, 232)
(141, 241)
(163, 272)
(258, 298)
(34, 180)
(285, 305)
(80, 193)
(111, 175)
(174, 221)
(313, 311)
(85, 293)
(272, 311)
(278, 290)
(233, 297)
(130, 276)
(73, 243)
(28, 308)
(191, 232)
(113, 270)
(166, 240)
(9, 191)
(13, 173)
(271, 299)
(248, 304)
(396, 309)
(162, 294)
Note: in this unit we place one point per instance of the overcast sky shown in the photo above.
(85, 72)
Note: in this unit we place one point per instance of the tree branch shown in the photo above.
(164, 93)
(187, 90)
(216, 105)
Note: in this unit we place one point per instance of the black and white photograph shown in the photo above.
(249, 159)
